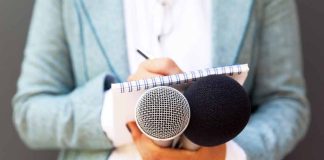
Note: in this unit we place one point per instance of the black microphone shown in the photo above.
(220, 109)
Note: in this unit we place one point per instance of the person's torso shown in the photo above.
(95, 34)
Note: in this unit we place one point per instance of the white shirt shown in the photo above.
(185, 26)
(178, 29)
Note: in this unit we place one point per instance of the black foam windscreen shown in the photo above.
(220, 109)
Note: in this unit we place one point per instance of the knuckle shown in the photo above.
(167, 63)
(135, 139)
(130, 78)
(143, 64)
(150, 158)
(192, 157)
(154, 156)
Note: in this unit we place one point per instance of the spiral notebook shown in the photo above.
(123, 97)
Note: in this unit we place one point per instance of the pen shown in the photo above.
(142, 54)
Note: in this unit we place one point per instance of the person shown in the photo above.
(74, 45)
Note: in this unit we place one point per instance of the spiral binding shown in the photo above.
(177, 79)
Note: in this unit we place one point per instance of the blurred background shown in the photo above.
(14, 23)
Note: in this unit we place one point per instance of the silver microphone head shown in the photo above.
(162, 113)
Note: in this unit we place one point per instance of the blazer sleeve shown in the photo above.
(283, 115)
(49, 111)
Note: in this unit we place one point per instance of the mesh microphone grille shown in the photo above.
(162, 112)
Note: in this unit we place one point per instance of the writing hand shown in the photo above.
(154, 68)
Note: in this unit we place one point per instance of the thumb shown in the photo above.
(134, 130)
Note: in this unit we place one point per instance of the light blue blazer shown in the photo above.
(73, 44)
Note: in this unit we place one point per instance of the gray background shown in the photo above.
(14, 22)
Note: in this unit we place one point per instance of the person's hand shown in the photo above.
(150, 151)
(154, 68)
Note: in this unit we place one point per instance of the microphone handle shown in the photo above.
(185, 143)
(164, 144)
(169, 143)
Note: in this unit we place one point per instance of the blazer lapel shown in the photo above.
(106, 20)
(230, 22)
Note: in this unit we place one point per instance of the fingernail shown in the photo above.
(129, 130)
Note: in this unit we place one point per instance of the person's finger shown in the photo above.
(164, 66)
(142, 75)
(218, 152)
(134, 130)
(149, 149)
(174, 154)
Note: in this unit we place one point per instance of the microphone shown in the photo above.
(162, 113)
(220, 109)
